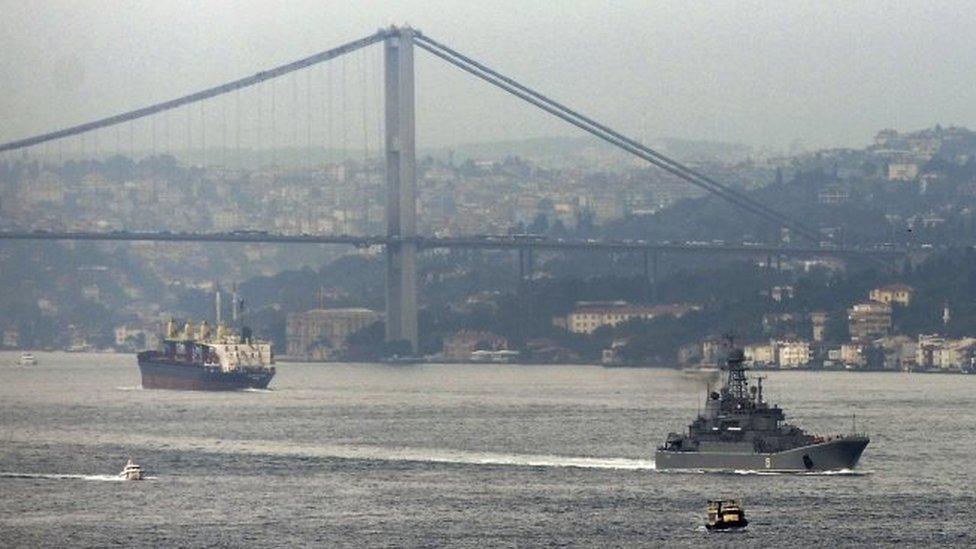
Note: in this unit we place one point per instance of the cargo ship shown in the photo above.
(738, 430)
(206, 359)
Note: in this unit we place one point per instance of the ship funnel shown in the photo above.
(204, 330)
(171, 329)
(188, 330)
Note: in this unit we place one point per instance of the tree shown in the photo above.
(539, 225)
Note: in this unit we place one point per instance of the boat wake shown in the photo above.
(132, 388)
(747, 472)
(441, 456)
(64, 476)
(524, 460)
(256, 390)
(838, 473)
(336, 451)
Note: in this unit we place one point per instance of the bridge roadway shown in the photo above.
(503, 242)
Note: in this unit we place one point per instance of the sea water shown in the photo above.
(459, 455)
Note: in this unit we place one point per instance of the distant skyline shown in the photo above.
(766, 74)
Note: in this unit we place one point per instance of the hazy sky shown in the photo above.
(764, 73)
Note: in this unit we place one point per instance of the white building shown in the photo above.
(792, 353)
(789, 353)
(852, 355)
(902, 171)
(759, 354)
(936, 352)
(587, 317)
(928, 354)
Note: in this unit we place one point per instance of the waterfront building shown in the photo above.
(819, 322)
(928, 353)
(792, 353)
(852, 356)
(460, 345)
(759, 354)
(938, 353)
(588, 316)
(322, 333)
(783, 353)
(869, 320)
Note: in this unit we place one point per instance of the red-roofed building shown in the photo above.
(893, 294)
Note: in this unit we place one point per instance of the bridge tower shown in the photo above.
(401, 188)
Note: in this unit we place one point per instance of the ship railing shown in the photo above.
(820, 439)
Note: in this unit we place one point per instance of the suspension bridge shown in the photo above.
(401, 239)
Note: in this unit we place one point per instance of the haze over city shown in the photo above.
(442, 274)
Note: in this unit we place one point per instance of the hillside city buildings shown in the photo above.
(587, 188)
(589, 316)
(871, 345)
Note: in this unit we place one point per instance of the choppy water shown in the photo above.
(476, 456)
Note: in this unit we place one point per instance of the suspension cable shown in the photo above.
(565, 113)
(198, 96)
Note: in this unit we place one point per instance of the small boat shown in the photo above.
(725, 514)
(405, 359)
(27, 359)
(701, 372)
(132, 471)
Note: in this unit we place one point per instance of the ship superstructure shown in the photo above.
(203, 358)
(739, 430)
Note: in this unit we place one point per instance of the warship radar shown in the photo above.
(739, 431)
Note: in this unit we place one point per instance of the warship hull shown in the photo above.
(833, 455)
(160, 374)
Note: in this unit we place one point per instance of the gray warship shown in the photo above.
(739, 431)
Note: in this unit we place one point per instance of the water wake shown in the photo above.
(838, 473)
(428, 455)
(749, 472)
(65, 476)
(522, 460)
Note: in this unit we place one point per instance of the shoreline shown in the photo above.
(679, 369)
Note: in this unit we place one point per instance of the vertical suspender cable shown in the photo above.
(308, 118)
(342, 107)
(364, 101)
(223, 135)
(274, 132)
(203, 134)
(237, 127)
(189, 134)
(294, 113)
(605, 133)
(257, 126)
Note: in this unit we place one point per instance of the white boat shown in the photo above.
(27, 359)
(503, 356)
(132, 471)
